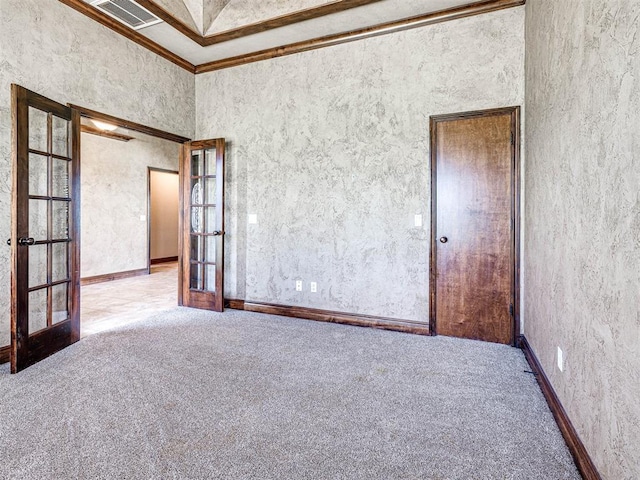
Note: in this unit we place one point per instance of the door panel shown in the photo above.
(473, 241)
(45, 310)
(202, 225)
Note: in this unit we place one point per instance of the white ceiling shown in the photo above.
(230, 14)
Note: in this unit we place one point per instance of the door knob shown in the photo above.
(217, 233)
(444, 239)
(26, 241)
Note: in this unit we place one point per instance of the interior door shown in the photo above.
(202, 225)
(473, 218)
(45, 306)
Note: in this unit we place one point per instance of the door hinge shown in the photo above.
(511, 309)
(513, 140)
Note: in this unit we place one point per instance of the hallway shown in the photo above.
(110, 305)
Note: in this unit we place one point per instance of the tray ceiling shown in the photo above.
(204, 35)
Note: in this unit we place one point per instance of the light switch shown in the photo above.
(418, 220)
(143, 218)
(253, 218)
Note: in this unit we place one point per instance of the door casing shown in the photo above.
(514, 112)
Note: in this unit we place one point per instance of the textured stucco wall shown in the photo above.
(330, 149)
(582, 217)
(114, 197)
(58, 52)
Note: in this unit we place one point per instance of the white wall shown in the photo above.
(52, 49)
(114, 199)
(582, 217)
(330, 149)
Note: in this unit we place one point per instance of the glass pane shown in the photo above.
(37, 265)
(196, 219)
(210, 219)
(196, 276)
(210, 161)
(60, 178)
(37, 130)
(210, 285)
(38, 219)
(197, 167)
(195, 248)
(197, 194)
(37, 310)
(38, 183)
(60, 139)
(210, 252)
(210, 185)
(59, 265)
(60, 220)
(60, 303)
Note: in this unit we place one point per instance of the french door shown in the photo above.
(202, 225)
(45, 255)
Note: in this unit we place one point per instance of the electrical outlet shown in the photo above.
(253, 218)
(560, 360)
(299, 285)
(314, 287)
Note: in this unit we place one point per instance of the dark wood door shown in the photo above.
(202, 225)
(473, 225)
(45, 233)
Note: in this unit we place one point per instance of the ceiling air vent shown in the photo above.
(127, 12)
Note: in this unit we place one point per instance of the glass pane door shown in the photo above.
(203, 224)
(44, 238)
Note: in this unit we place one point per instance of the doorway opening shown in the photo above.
(163, 217)
(130, 205)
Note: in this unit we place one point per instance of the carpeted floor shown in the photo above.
(190, 394)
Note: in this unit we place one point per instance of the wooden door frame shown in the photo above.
(152, 132)
(159, 170)
(514, 112)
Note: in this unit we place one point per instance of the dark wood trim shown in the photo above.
(156, 261)
(406, 326)
(475, 8)
(251, 29)
(515, 208)
(580, 455)
(176, 23)
(456, 13)
(105, 133)
(75, 227)
(109, 277)
(136, 127)
(127, 32)
(5, 354)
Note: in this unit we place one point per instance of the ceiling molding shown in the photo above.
(468, 10)
(105, 133)
(456, 13)
(251, 29)
(131, 34)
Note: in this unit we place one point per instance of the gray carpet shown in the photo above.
(198, 395)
